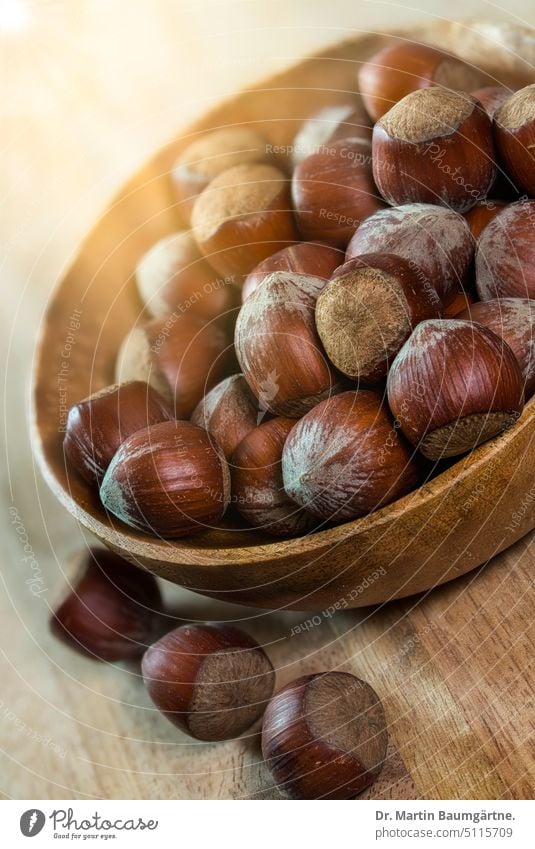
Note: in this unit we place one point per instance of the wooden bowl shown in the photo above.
(479, 506)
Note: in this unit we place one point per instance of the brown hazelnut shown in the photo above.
(492, 97)
(257, 487)
(332, 123)
(169, 480)
(211, 680)
(278, 347)
(369, 309)
(333, 191)
(345, 458)
(181, 355)
(453, 385)
(242, 217)
(434, 146)
(514, 131)
(324, 736)
(461, 302)
(313, 258)
(505, 254)
(436, 242)
(173, 277)
(481, 214)
(402, 67)
(513, 320)
(228, 412)
(210, 155)
(112, 611)
(97, 425)
(134, 363)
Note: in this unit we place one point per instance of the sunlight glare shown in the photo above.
(14, 16)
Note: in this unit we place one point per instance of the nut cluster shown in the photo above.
(333, 325)
(324, 736)
(335, 317)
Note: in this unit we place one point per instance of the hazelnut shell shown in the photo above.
(112, 610)
(434, 146)
(505, 254)
(210, 155)
(514, 131)
(453, 385)
(173, 277)
(369, 309)
(314, 258)
(169, 480)
(278, 347)
(345, 458)
(257, 485)
(333, 192)
(98, 425)
(513, 320)
(211, 680)
(435, 241)
(402, 67)
(228, 412)
(242, 217)
(189, 354)
(324, 736)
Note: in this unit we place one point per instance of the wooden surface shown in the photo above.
(455, 667)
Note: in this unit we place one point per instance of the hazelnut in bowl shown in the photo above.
(428, 516)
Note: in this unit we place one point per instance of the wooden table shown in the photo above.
(454, 667)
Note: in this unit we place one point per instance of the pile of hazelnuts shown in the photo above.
(315, 340)
(386, 320)
(386, 315)
(324, 735)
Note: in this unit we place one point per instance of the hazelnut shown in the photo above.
(461, 302)
(210, 155)
(505, 254)
(434, 146)
(340, 121)
(134, 363)
(312, 258)
(406, 66)
(492, 97)
(172, 276)
(481, 214)
(369, 309)
(257, 487)
(112, 611)
(436, 242)
(333, 192)
(278, 347)
(228, 412)
(345, 458)
(190, 354)
(97, 425)
(324, 736)
(514, 131)
(210, 680)
(453, 385)
(181, 355)
(513, 320)
(170, 480)
(242, 217)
